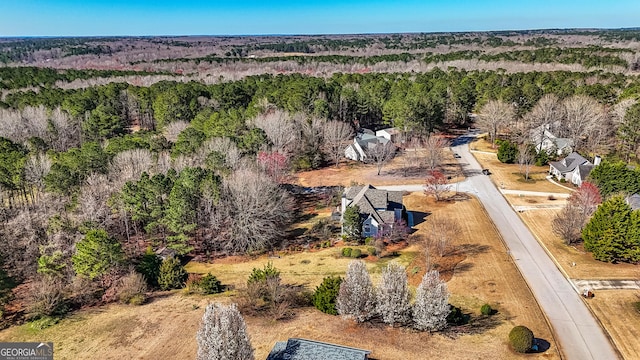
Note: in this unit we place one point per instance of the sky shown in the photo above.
(253, 17)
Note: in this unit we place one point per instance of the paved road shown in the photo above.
(579, 335)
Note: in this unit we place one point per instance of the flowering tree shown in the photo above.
(431, 307)
(436, 184)
(223, 335)
(356, 298)
(393, 295)
(394, 233)
(274, 163)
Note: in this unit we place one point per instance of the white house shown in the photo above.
(378, 208)
(544, 139)
(391, 134)
(364, 140)
(573, 169)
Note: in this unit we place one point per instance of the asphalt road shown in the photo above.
(578, 334)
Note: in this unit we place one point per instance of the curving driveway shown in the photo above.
(577, 332)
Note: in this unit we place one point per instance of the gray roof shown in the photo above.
(562, 143)
(634, 201)
(370, 200)
(570, 163)
(585, 170)
(302, 349)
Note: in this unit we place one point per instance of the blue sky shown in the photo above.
(212, 17)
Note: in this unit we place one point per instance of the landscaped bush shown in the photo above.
(346, 252)
(456, 316)
(172, 274)
(324, 298)
(637, 306)
(209, 284)
(132, 289)
(521, 339)
(371, 250)
(356, 253)
(369, 241)
(261, 275)
(486, 310)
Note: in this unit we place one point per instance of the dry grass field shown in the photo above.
(541, 201)
(620, 318)
(586, 266)
(508, 176)
(392, 173)
(166, 327)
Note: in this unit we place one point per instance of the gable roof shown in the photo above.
(303, 349)
(369, 200)
(570, 163)
(584, 170)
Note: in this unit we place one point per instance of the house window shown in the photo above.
(367, 228)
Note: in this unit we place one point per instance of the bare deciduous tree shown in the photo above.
(493, 116)
(431, 307)
(568, 224)
(356, 298)
(92, 204)
(583, 118)
(36, 168)
(336, 135)
(545, 115)
(442, 232)
(257, 208)
(223, 334)
(129, 165)
(525, 159)
(379, 154)
(280, 128)
(434, 151)
(173, 129)
(393, 295)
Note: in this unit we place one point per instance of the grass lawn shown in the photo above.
(392, 173)
(539, 221)
(620, 318)
(508, 176)
(166, 327)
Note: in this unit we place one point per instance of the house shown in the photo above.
(303, 349)
(378, 208)
(634, 201)
(544, 139)
(391, 134)
(364, 140)
(573, 169)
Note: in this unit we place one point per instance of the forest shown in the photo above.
(201, 167)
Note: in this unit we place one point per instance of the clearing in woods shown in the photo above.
(166, 327)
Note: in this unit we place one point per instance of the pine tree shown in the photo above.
(96, 254)
(356, 298)
(609, 235)
(352, 222)
(223, 335)
(393, 295)
(431, 307)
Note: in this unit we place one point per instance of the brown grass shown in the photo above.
(527, 200)
(166, 327)
(392, 173)
(482, 144)
(508, 176)
(619, 317)
(539, 221)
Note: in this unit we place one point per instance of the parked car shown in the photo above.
(456, 155)
(486, 172)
